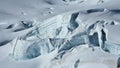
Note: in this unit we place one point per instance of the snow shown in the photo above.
(59, 33)
(94, 65)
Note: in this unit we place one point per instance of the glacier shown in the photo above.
(60, 34)
(63, 32)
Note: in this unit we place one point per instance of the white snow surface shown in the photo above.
(48, 17)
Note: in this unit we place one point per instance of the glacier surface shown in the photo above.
(59, 34)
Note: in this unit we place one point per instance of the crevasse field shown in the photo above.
(59, 33)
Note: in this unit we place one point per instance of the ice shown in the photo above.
(94, 39)
(115, 10)
(73, 42)
(53, 2)
(10, 26)
(118, 62)
(57, 42)
(59, 33)
(112, 48)
(74, 1)
(76, 63)
(94, 10)
(51, 34)
(4, 42)
(32, 51)
(73, 24)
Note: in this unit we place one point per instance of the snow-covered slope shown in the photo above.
(59, 33)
